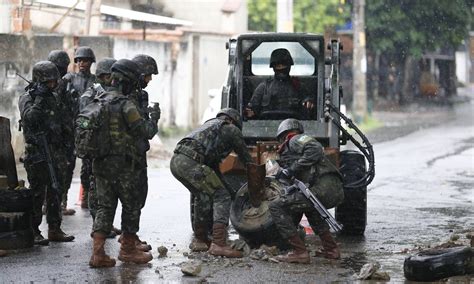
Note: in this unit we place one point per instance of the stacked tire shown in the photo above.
(15, 219)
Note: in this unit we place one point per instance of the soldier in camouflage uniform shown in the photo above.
(76, 85)
(40, 112)
(117, 174)
(61, 59)
(103, 83)
(141, 99)
(302, 157)
(195, 164)
(282, 93)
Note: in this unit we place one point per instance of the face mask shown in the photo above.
(282, 74)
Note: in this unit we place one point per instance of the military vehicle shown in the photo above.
(316, 68)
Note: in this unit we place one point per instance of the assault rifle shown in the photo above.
(43, 143)
(323, 212)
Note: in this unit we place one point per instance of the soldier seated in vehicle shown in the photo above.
(281, 96)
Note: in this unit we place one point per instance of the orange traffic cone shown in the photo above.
(307, 228)
(81, 192)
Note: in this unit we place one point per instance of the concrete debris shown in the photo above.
(191, 268)
(242, 246)
(368, 270)
(273, 250)
(274, 260)
(163, 251)
(264, 253)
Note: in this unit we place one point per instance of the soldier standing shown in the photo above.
(140, 98)
(76, 85)
(302, 156)
(103, 84)
(116, 174)
(61, 59)
(42, 127)
(195, 164)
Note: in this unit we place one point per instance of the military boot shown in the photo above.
(200, 240)
(67, 211)
(39, 239)
(219, 245)
(330, 248)
(130, 253)
(55, 234)
(299, 254)
(141, 245)
(99, 258)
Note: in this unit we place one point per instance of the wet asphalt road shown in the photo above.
(421, 195)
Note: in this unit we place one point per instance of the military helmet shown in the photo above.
(147, 63)
(127, 68)
(289, 124)
(84, 52)
(281, 56)
(104, 66)
(44, 71)
(59, 57)
(232, 114)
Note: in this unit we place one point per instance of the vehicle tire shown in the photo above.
(434, 264)
(255, 225)
(17, 239)
(18, 200)
(14, 221)
(352, 212)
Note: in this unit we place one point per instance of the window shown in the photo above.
(304, 61)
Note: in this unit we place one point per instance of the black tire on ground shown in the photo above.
(352, 212)
(14, 221)
(255, 225)
(17, 239)
(18, 200)
(437, 264)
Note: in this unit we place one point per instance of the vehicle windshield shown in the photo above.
(304, 61)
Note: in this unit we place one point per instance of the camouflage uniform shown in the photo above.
(304, 156)
(284, 94)
(76, 85)
(140, 98)
(117, 174)
(195, 164)
(40, 112)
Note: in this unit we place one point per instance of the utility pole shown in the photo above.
(88, 16)
(285, 16)
(359, 63)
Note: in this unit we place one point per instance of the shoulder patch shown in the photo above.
(304, 139)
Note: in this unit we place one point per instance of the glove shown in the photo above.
(284, 174)
(155, 112)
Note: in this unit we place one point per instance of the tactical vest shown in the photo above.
(280, 95)
(293, 153)
(208, 141)
(122, 143)
(81, 82)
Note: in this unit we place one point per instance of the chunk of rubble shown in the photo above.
(191, 268)
(370, 272)
(242, 246)
(163, 251)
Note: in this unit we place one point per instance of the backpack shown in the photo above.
(92, 139)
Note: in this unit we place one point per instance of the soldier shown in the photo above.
(282, 93)
(140, 98)
(103, 84)
(77, 84)
(41, 115)
(61, 59)
(302, 156)
(116, 174)
(195, 164)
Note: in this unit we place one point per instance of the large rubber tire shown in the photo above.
(18, 200)
(17, 239)
(352, 212)
(14, 221)
(437, 264)
(255, 225)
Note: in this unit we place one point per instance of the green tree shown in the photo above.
(311, 16)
